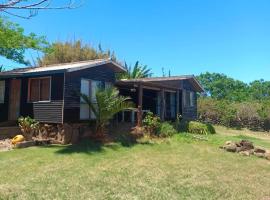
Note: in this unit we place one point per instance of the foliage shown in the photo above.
(108, 103)
(28, 126)
(254, 115)
(14, 42)
(200, 128)
(65, 52)
(137, 71)
(166, 130)
(222, 87)
(151, 123)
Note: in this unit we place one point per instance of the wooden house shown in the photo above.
(51, 94)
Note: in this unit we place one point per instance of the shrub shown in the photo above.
(200, 128)
(28, 126)
(151, 123)
(166, 130)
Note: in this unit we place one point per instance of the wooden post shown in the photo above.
(140, 102)
(177, 103)
(162, 106)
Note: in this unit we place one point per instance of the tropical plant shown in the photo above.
(108, 103)
(28, 126)
(137, 71)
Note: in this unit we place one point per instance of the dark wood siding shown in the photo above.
(27, 109)
(187, 111)
(73, 87)
(4, 106)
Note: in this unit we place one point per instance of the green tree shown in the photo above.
(260, 89)
(219, 86)
(137, 71)
(65, 52)
(108, 103)
(14, 42)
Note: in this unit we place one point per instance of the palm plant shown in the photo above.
(108, 103)
(137, 71)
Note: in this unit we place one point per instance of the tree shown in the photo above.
(64, 52)
(108, 103)
(9, 6)
(137, 71)
(14, 42)
(219, 86)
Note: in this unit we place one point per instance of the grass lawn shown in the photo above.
(178, 168)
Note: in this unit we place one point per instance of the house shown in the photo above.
(51, 94)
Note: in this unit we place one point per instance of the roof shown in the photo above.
(165, 80)
(65, 67)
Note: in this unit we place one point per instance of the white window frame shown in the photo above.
(191, 99)
(50, 92)
(3, 91)
(90, 88)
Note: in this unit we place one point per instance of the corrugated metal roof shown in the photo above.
(69, 67)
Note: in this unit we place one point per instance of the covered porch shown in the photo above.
(162, 98)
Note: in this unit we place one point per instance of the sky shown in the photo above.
(183, 36)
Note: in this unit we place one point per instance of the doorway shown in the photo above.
(14, 99)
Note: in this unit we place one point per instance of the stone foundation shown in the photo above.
(63, 133)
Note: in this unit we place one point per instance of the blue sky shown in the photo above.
(185, 36)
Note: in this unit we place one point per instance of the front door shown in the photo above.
(14, 99)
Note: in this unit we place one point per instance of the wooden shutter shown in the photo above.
(45, 89)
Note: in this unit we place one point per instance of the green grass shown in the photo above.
(179, 168)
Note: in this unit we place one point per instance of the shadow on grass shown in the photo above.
(89, 146)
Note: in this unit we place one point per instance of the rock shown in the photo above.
(245, 153)
(231, 147)
(228, 142)
(267, 155)
(259, 150)
(247, 145)
(260, 155)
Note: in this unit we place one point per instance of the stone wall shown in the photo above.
(63, 133)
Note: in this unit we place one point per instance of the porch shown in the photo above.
(164, 99)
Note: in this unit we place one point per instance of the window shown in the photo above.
(89, 88)
(189, 98)
(2, 91)
(39, 89)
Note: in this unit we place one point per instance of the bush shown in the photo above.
(28, 126)
(200, 128)
(254, 115)
(166, 130)
(151, 123)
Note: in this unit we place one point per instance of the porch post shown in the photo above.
(162, 107)
(140, 102)
(177, 103)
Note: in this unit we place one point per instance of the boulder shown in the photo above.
(245, 153)
(267, 155)
(260, 155)
(259, 150)
(246, 145)
(231, 147)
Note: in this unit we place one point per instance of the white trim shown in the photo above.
(50, 92)
(95, 65)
